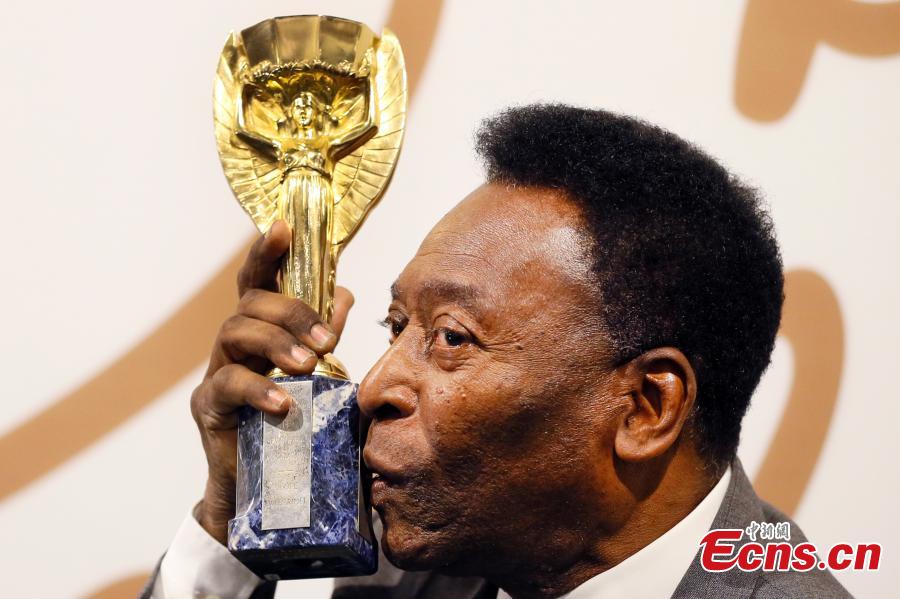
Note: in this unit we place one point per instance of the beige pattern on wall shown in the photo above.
(776, 46)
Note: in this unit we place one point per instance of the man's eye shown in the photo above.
(394, 324)
(452, 338)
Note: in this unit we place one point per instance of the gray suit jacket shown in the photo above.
(740, 507)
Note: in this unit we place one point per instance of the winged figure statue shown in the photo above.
(309, 118)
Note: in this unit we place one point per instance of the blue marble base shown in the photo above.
(339, 540)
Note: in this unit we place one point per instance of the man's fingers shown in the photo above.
(291, 314)
(232, 387)
(260, 270)
(243, 337)
(343, 301)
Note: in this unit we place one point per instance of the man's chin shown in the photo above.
(412, 549)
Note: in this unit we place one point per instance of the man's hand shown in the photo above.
(268, 329)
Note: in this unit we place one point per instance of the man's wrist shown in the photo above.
(213, 518)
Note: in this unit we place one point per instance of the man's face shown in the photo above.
(490, 412)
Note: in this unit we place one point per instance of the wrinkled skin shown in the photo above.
(504, 441)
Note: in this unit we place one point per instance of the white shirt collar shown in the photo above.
(668, 557)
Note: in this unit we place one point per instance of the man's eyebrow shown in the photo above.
(437, 290)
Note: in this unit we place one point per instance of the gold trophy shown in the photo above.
(309, 115)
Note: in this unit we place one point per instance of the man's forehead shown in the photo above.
(499, 211)
(495, 234)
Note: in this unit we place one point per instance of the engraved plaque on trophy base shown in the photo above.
(300, 510)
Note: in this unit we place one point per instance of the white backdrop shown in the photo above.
(116, 212)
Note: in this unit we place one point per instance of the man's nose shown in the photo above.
(388, 390)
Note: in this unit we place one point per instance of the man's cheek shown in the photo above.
(453, 416)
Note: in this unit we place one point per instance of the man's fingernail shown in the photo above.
(320, 334)
(300, 354)
(280, 399)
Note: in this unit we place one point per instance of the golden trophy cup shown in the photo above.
(309, 117)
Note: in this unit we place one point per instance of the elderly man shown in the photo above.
(572, 350)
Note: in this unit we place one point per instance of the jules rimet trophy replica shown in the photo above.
(309, 116)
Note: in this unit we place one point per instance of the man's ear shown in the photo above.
(663, 387)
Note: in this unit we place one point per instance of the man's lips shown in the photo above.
(385, 479)
(382, 470)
